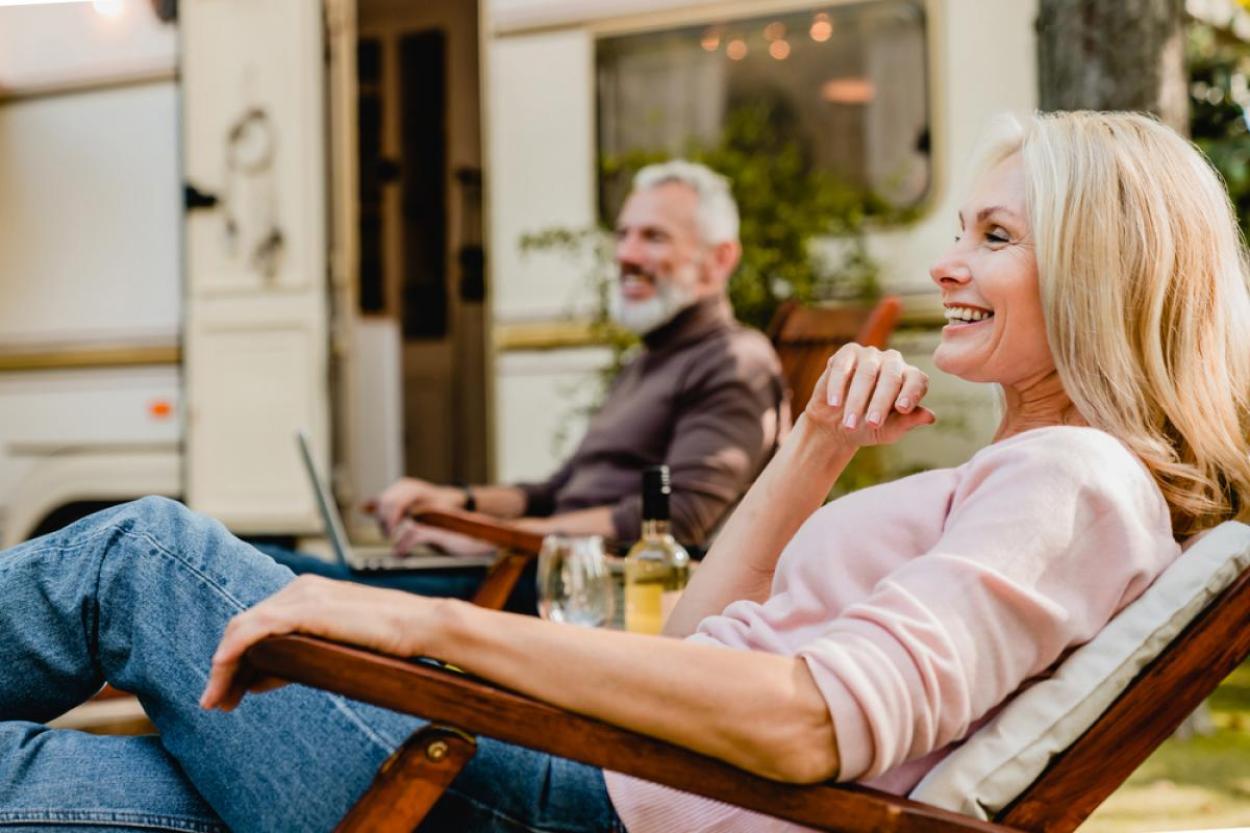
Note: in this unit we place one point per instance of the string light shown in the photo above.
(775, 31)
(736, 49)
(848, 91)
(822, 27)
(779, 49)
(710, 41)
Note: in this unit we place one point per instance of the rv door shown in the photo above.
(256, 335)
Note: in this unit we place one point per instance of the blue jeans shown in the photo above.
(453, 582)
(138, 596)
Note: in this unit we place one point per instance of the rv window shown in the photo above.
(846, 84)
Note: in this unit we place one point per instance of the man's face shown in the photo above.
(660, 257)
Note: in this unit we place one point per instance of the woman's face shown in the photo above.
(995, 331)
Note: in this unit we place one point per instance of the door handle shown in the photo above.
(193, 199)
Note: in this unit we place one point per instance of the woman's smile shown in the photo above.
(965, 316)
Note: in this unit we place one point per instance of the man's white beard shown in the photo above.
(642, 317)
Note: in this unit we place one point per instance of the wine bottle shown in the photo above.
(656, 567)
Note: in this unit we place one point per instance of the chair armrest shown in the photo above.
(484, 528)
(477, 707)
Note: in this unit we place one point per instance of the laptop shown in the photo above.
(379, 558)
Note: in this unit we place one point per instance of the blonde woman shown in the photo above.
(1097, 277)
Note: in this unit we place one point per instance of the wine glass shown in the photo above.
(574, 582)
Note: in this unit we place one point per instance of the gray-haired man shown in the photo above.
(703, 396)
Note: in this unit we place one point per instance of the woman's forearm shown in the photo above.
(741, 561)
(761, 712)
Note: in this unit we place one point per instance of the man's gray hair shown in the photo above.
(717, 212)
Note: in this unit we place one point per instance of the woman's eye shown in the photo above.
(997, 237)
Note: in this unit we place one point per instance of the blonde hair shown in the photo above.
(1143, 277)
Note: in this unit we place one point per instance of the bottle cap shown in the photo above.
(655, 491)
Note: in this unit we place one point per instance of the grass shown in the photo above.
(1200, 782)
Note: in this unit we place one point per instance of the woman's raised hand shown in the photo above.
(868, 396)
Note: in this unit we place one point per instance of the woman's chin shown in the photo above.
(962, 366)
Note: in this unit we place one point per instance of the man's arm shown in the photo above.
(724, 427)
(594, 521)
(411, 496)
(504, 502)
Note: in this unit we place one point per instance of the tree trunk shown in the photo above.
(1113, 55)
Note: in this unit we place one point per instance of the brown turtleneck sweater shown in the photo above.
(703, 397)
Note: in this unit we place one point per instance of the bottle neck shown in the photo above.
(652, 528)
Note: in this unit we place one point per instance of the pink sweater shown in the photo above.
(922, 605)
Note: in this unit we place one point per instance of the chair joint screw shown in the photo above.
(437, 750)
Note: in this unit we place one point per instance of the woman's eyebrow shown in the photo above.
(987, 212)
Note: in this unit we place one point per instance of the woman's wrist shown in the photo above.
(823, 444)
(425, 625)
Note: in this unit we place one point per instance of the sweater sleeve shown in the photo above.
(1045, 541)
(540, 496)
(725, 426)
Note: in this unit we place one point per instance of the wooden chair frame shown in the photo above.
(1072, 786)
(805, 338)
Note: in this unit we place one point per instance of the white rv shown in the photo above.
(270, 215)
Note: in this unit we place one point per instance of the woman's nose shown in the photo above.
(950, 269)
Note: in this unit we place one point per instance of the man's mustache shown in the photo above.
(630, 271)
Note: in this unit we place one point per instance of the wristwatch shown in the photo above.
(470, 502)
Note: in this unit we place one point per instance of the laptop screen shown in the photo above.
(325, 501)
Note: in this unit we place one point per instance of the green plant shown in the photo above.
(786, 207)
(1219, 69)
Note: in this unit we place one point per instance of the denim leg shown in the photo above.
(510, 789)
(87, 783)
(139, 596)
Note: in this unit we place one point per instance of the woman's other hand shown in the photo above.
(868, 396)
(388, 621)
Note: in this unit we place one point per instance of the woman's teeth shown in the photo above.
(966, 315)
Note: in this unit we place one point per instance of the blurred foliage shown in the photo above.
(1219, 69)
(785, 207)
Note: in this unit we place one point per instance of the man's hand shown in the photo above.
(409, 495)
(409, 534)
(389, 621)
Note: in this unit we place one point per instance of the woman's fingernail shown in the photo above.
(874, 418)
(904, 403)
(835, 400)
(850, 421)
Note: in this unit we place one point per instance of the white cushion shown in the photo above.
(1008, 753)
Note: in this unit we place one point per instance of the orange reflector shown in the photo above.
(160, 409)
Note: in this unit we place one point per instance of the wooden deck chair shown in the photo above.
(1212, 616)
(804, 338)
(516, 549)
